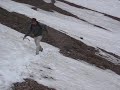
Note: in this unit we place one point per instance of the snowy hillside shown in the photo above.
(93, 35)
(95, 23)
(110, 7)
(17, 61)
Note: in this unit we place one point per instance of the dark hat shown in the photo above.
(33, 19)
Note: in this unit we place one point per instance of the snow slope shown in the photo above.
(110, 7)
(17, 61)
(92, 17)
(94, 36)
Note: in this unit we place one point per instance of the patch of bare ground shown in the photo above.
(30, 84)
(68, 46)
(14, 20)
(82, 7)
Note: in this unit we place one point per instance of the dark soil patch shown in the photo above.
(13, 20)
(82, 7)
(30, 84)
(68, 46)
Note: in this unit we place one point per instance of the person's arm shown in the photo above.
(45, 28)
(28, 33)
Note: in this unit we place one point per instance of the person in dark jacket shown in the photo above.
(36, 30)
(53, 1)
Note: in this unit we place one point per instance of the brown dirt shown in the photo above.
(30, 84)
(68, 46)
(14, 20)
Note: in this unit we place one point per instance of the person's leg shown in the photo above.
(39, 39)
(37, 42)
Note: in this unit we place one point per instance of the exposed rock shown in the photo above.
(30, 84)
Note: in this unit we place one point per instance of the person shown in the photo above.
(53, 1)
(36, 30)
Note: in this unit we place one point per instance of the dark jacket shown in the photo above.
(35, 30)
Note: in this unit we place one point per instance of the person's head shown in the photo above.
(33, 21)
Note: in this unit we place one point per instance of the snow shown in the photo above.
(10, 57)
(110, 7)
(109, 57)
(48, 1)
(92, 17)
(93, 36)
(17, 61)
(54, 14)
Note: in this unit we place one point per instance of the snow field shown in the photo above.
(18, 59)
(49, 68)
